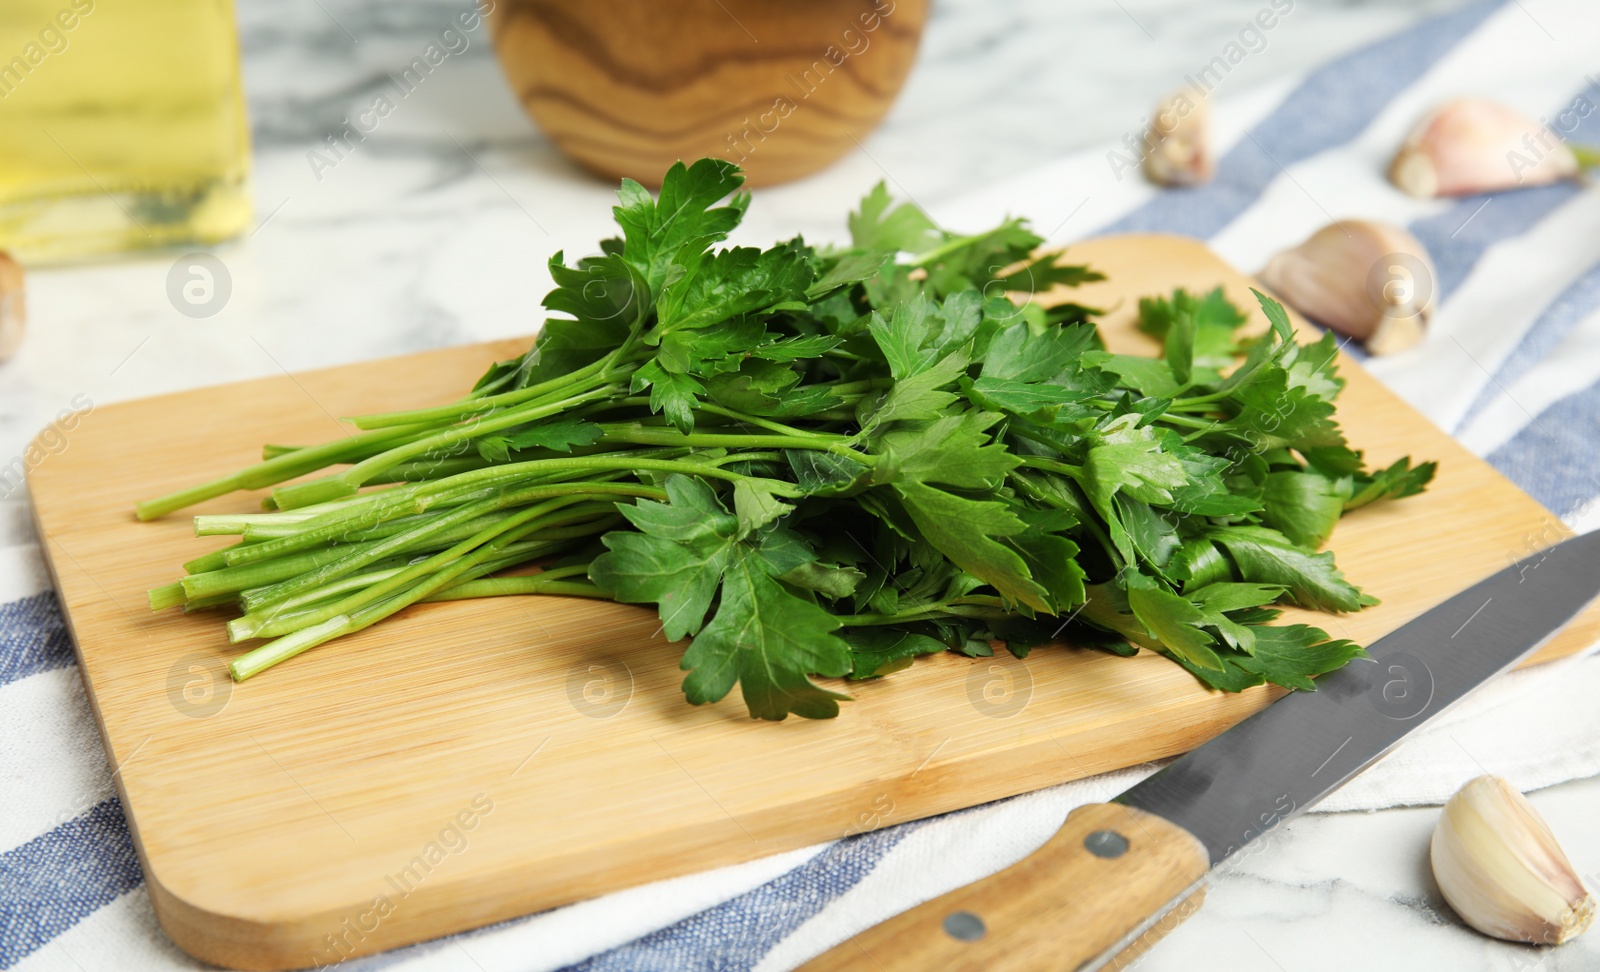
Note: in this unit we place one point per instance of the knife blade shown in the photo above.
(1117, 876)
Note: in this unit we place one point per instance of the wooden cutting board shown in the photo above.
(465, 763)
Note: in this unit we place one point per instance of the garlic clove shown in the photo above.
(1180, 141)
(1367, 280)
(1396, 334)
(13, 310)
(1471, 146)
(1500, 868)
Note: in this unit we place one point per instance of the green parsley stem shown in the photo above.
(358, 556)
(644, 435)
(757, 421)
(286, 647)
(1052, 465)
(440, 443)
(746, 457)
(273, 471)
(1184, 421)
(265, 622)
(468, 407)
(522, 584)
(953, 245)
(927, 613)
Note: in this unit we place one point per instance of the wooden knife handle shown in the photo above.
(1105, 873)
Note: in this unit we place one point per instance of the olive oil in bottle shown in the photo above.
(122, 126)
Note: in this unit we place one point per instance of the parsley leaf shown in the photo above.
(729, 283)
(1129, 460)
(559, 435)
(1204, 326)
(1268, 557)
(769, 642)
(1175, 622)
(1304, 506)
(672, 395)
(1397, 481)
(875, 652)
(676, 559)
(966, 531)
(682, 223)
(903, 228)
(762, 636)
(1046, 273)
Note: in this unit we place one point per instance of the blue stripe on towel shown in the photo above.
(61, 877)
(1458, 237)
(1330, 108)
(738, 933)
(32, 637)
(1552, 325)
(1553, 458)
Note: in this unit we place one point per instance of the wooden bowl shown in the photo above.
(781, 87)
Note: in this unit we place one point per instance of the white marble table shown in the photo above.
(435, 231)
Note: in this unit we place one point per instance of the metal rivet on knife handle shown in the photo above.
(1106, 843)
(964, 926)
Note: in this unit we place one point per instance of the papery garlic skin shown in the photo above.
(1180, 141)
(1470, 146)
(1500, 868)
(1368, 280)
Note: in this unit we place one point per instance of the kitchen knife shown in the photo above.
(1119, 875)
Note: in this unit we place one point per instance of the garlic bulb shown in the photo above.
(13, 311)
(1371, 281)
(1470, 146)
(1180, 141)
(1501, 869)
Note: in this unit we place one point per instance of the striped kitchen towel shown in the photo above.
(1511, 366)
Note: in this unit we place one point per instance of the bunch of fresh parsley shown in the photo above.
(827, 461)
